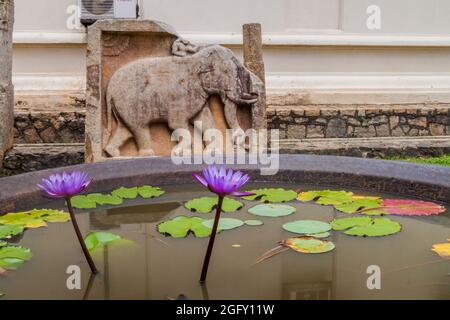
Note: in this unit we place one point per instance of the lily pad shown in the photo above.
(442, 249)
(8, 231)
(272, 210)
(126, 193)
(104, 199)
(308, 245)
(253, 222)
(360, 203)
(272, 195)
(319, 235)
(50, 215)
(11, 258)
(148, 192)
(346, 223)
(83, 202)
(366, 226)
(207, 204)
(23, 219)
(326, 197)
(410, 207)
(181, 226)
(307, 226)
(224, 223)
(100, 239)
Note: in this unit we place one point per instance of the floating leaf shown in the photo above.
(360, 203)
(253, 222)
(346, 223)
(50, 215)
(8, 231)
(126, 193)
(319, 235)
(272, 195)
(83, 202)
(224, 223)
(147, 192)
(307, 226)
(272, 210)
(366, 226)
(22, 218)
(410, 207)
(100, 239)
(326, 197)
(442, 249)
(308, 245)
(104, 199)
(207, 204)
(181, 226)
(12, 258)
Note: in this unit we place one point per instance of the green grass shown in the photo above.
(439, 161)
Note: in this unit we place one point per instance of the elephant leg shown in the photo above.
(119, 137)
(143, 141)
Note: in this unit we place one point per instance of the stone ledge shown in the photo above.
(31, 157)
(369, 147)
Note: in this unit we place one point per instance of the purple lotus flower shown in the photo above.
(65, 185)
(223, 182)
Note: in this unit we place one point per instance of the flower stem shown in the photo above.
(211, 240)
(80, 237)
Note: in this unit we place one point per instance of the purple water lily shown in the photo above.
(65, 185)
(223, 182)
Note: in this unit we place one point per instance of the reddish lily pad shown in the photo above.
(410, 207)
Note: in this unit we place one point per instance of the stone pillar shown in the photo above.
(253, 52)
(6, 87)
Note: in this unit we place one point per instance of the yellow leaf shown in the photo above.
(442, 249)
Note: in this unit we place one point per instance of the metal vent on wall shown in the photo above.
(97, 9)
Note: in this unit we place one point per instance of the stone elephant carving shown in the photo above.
(175, 90)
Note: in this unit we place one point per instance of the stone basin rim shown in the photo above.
(396, 177)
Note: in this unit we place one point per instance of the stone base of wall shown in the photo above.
(32, 157)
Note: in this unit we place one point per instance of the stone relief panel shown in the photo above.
(144, 82)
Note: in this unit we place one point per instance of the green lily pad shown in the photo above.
(307, 226)
(148, 192)
(346, 223)
(100, 239)
(126, 193)
(22, 218)
(11, 258)
(104, 199)
(319, 235)
(366, 226)
(326, 197)
(308, 245)
(272, 210)
(253, 222)
(224, 223)
(181, 226)
(50, 215)
(3, 243)
(207, 204)
(361, 203)
(272, 195)
(8, 231)
(83, 202)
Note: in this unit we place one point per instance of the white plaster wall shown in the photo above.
(309, 44)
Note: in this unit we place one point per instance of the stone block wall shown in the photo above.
(353, 121)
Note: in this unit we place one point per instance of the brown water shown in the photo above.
(151, 269)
